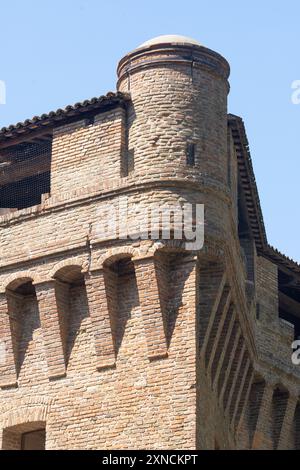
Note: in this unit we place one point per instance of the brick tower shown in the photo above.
(110, 341)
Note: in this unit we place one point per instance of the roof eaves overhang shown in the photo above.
(38, 125)
(249, 186)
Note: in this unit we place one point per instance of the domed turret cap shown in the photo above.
(172, 49)
(170, 39)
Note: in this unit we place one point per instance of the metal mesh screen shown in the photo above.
(27, 151)
(24, 174)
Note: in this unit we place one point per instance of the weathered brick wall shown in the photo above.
(85, 154)
(270, 416)
(135, 404)
(121, 344)
(274, 336)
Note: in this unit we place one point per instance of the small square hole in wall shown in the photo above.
(90, 121)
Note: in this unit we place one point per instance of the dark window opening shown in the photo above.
(289, 300)
(258, 311)
(34, 440)
(24, 175)
(190, 154)
(127, 162)
(25, 436)
(289, 317)
(25, 193)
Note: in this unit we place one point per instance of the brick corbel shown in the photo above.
(8, 367)
(151, 307)
(287, 422)
(53, 329)
(101, 318)
(261, 439)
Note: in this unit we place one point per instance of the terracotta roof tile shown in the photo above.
(54, 117)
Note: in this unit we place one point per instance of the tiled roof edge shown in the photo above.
(72, 111)
(248, 179)
(249, 184)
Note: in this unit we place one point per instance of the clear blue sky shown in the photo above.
(54, 53)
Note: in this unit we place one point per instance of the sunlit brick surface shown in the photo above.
(123, 344)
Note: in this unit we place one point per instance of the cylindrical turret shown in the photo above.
(177, 124)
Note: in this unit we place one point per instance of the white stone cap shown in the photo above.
(170, 39)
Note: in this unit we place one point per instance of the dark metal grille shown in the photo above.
(24, 174)
(25, 193)
(27, 150)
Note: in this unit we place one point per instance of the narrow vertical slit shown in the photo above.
(190, 154)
